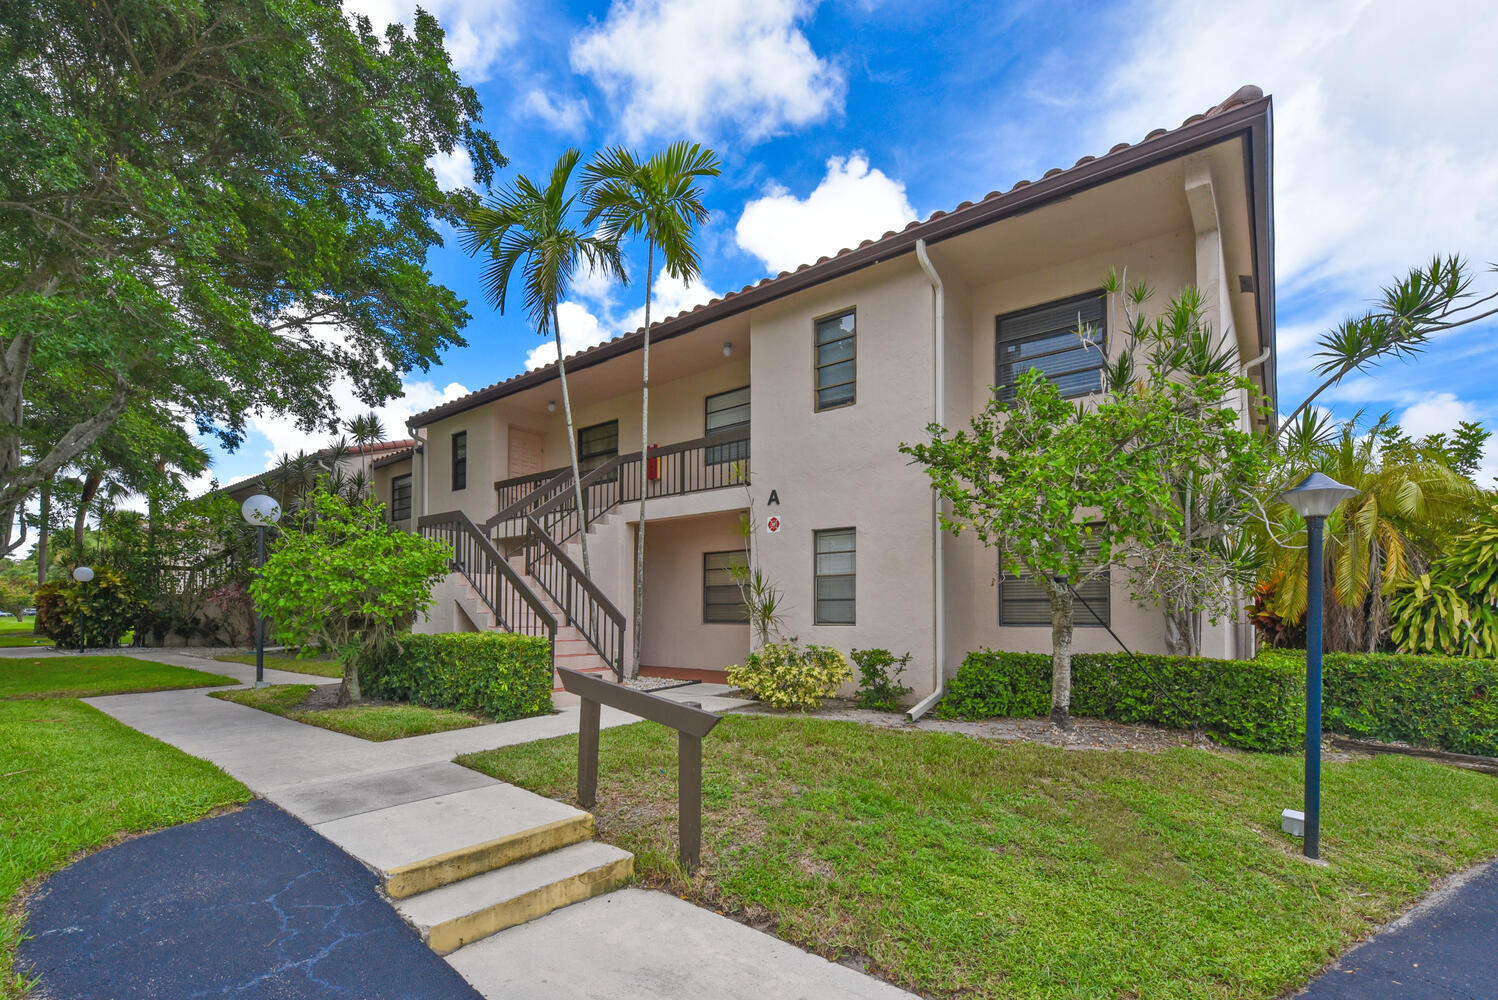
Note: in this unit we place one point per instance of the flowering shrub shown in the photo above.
(783, 675)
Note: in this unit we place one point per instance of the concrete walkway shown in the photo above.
(402, 806)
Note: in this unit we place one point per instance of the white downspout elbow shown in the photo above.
(938, 397)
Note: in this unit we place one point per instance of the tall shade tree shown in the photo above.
(535, 228)
(218, 207)
(658, 199)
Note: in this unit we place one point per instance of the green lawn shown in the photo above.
(966, 867)
(9, 624)
(368, 722)
(321, 666)
(15, 633)
(87, 676)
(72, 779)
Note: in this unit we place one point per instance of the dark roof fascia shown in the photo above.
(1246, 120)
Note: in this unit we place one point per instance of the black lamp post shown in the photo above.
(1314, 499)
(263, 512)
(83, 574)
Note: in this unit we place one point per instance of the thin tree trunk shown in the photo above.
(348, 690)
(634, 665)
(1061, 635)
(45, 526)
(577, 479)
(85, 500)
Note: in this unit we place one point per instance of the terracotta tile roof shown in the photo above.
(1161, 143)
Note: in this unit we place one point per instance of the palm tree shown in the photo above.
(1409, 498)
(658, 199)
(532, 226)
(367, 431)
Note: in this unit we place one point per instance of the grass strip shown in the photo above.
(958, 866)
(72, 779)
(321, 667)
(378, 722)
(90, 676)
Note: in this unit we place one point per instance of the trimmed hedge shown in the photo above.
(497, 674)
(1256, 705)
(1446, 702)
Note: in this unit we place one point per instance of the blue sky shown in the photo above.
(839, 120)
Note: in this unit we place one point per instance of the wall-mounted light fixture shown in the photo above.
(728, 348)
(551, 406)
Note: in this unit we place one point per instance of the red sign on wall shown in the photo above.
(773, 525)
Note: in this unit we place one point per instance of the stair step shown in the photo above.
(419, 845)
(454, 915)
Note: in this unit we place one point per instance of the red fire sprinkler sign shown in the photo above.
(773, 525)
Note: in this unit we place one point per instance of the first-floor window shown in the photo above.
(1022, 601)
(400, 498)
(835, 576)
(722, 601)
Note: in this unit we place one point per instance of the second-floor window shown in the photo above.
(1045, 339)
(836, 361)
(596, 445)
(400, 498)
(460, 460)
(727, 412)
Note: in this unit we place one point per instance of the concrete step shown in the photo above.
(419, 846)
(454, 915)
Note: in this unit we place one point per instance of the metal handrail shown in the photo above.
(514, 606)
(547, 490)
(564, 581)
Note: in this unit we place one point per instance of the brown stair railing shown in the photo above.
(539, 492)
(583, 605)
(514, 606)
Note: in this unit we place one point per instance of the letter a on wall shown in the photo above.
(774, 498)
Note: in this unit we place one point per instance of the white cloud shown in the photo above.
(453, 170)
(851, 204)
(285, 437)
(687, 67)
(564, 115)
(582, 328)
(1381, 153)
(478, 31)
(1438, 412)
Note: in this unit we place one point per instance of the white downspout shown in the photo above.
(418, 477)
(938, 588)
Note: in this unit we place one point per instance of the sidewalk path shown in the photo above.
(251, 905)
(385, 803)
(1446, 948)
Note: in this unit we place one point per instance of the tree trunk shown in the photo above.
(348, 690)
(45, 526)
(577, 479)
(1061, 634)
(1182, 637)
(85, 500)
(634, 663)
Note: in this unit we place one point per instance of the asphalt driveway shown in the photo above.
(251, 904)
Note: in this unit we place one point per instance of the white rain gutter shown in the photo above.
(938, 588)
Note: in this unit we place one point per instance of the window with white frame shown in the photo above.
(835, 576)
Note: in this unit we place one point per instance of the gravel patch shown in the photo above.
(656, 683)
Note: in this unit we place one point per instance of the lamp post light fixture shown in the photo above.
(83, 574)
(1314, 499)
(263, 512)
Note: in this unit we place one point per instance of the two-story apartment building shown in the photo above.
(786, 402)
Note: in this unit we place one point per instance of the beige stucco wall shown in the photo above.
(675, 634)
(676, 411)
(488, 461)
(842, 467)
(1168, 263)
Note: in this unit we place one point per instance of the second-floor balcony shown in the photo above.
(716, 461)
